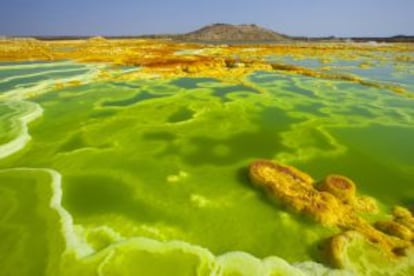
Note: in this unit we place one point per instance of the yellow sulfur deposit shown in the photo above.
(334, 202)
(340, 186)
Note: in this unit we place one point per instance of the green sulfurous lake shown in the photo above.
(149, 177)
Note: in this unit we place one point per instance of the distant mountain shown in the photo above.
(233, 33)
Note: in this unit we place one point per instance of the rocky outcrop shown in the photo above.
(234, 33)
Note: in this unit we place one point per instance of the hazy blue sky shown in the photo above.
(133, 17)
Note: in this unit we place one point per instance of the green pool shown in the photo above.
(148, 177)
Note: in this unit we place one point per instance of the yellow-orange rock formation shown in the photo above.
(334, 202)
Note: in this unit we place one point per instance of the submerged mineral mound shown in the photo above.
(234, 33)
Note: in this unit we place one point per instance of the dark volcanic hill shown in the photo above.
(233, 33)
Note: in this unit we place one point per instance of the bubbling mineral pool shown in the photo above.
(126, 165)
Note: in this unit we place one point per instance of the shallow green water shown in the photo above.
(166, 160)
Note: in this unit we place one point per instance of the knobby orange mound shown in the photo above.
(334, 202)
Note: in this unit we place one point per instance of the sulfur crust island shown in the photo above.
(334, 202)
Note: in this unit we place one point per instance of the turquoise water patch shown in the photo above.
(33, 78)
